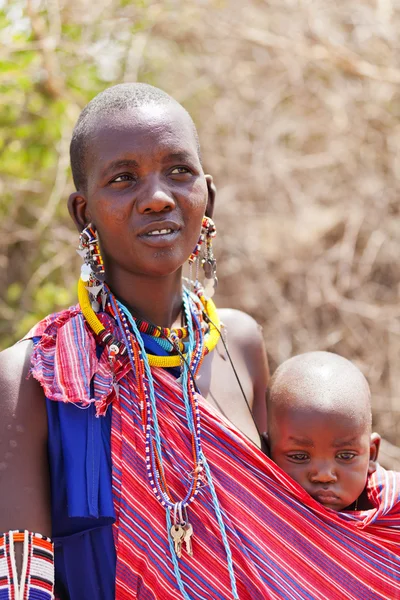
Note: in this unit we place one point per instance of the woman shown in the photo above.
(147, 490)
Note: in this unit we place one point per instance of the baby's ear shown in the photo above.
(373, 452)
(265, 443)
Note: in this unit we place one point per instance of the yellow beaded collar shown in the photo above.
(211, 338)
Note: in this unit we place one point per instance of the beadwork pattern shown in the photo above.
(37, 575)
(115, 347)
(145, 396)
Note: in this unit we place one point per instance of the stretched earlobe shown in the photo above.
(77, 207)
(373, 452)
(212, 191)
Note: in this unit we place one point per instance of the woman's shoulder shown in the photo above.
(18, 388)
(245, 335)
(20, 394)
(21, 397)
(15, 365)
(24, 501)
(242, 327)
(245, 342)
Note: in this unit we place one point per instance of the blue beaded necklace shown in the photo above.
(128, 327)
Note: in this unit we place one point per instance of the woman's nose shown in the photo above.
(154, 197)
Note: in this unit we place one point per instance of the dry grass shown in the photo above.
(302, 133)
(297, 104)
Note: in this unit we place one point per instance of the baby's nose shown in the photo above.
(323, 473)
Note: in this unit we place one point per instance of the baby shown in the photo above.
(319, 428)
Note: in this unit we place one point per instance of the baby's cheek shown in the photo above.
(295, 471)
(355, 480)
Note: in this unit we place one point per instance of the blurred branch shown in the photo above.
(60, 259)
(134, 56)
(60, 182)
(53, 84)
(54, 20)
(299, 124)
(341, 57)
(389, 456)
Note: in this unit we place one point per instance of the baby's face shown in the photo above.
(328, 454)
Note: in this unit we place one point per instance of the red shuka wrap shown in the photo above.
(284, 544)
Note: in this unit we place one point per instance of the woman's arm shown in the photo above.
(246, 341)
(260, 372)
(24, 466)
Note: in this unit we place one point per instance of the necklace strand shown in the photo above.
(154, 460)
(154, 360)
(133, 346)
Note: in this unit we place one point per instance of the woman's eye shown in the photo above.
(298, 457)
(345, 455)
(122, 178)
(179, 170)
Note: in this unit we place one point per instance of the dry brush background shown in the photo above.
(297, 103)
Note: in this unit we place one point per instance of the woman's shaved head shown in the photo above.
(114, 101)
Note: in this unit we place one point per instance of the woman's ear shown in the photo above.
(77, 207)
(373, 452)
(212, 191)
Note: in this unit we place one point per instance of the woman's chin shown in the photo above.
(162, 263)
(161, 266)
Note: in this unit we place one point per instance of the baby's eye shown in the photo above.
(345, 455)
(298, 457)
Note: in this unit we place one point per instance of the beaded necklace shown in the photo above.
(135, 346)
(156, 331)
(155, 361)
(176, 510)
(170, 344)
(132, 347)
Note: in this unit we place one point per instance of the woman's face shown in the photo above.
(146, 190)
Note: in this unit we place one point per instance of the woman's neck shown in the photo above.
(154, 299)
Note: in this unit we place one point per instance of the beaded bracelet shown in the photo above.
(37, 575)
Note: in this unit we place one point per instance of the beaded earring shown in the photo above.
(208, 262)
(92, 270)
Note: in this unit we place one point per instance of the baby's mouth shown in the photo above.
(325, 496)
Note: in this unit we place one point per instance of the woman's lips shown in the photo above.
(159, 227)
(159, 232)
(160, 238)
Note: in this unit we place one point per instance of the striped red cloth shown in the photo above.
(284, 544)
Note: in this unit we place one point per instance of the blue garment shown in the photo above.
(81, 498)
(82, 508)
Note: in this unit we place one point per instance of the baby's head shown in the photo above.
(319, 427)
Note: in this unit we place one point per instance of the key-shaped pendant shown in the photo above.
(177, 533)
(187, 538)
